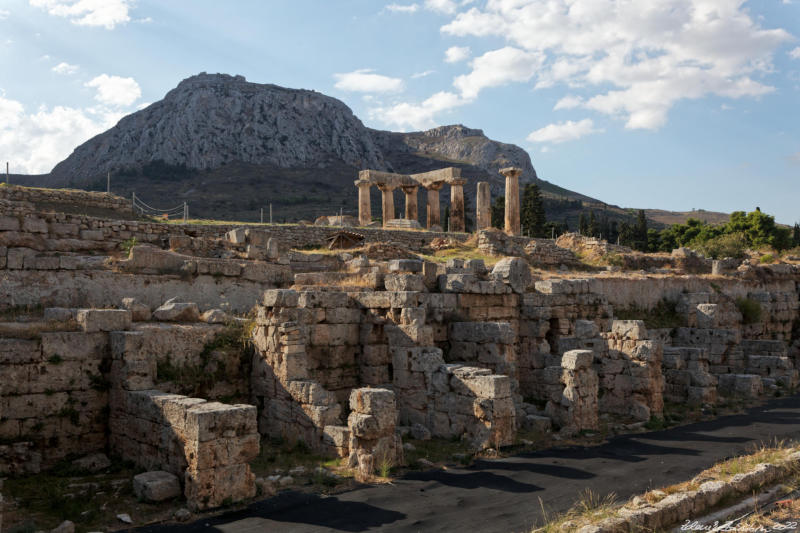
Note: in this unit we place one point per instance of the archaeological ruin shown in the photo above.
(122, 335)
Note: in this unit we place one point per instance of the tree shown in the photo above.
(640, 232)
(447, 218)
(796, 235)
(499, 212)
(532, 216)
(583, 225)
(592, 229)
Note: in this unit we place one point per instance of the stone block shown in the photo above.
(404, 282)
(172, 311)
(237, 236)
(405, 265)
(514, 272)
(139, 311)
(629, 329)
(32, 224)
(280, 298)
(93, 320)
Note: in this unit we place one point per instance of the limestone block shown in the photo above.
(497, 332)
(91, 235)
(9, 223)
(95, 462)
(629, 329)
(513, 271)
(156, 486)
(93, 320)
(459, 283)
(326, 299)
(405, 265)
(412, 316)
(139, 311)
(372, 300)
(33, 224)
(172, 311)
(404, 282)
(586, 329)
(223, 451)
(206, 489)
(280, 298)
(400, 299)
(237, 236)
(215, 316)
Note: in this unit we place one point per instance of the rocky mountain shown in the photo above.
(229, 147)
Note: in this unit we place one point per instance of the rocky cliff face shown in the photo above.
(211, 120)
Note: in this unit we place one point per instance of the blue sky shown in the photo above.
(676, 104)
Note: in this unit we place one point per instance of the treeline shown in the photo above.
(744, 230)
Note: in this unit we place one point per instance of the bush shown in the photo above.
(766, 258)
(728, 245)
(750, 309)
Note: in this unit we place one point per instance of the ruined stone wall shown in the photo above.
(207, 444)
(67, 198)
(53, 398)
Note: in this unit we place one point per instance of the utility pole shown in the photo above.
(6, 172)
(270, 213)
(262, 215)
(108, 183)
(185, 211)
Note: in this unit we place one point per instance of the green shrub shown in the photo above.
(728, 245)
(750, 309)
(126, 245)
(766, 258)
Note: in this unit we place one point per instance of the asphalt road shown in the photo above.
(507, 495)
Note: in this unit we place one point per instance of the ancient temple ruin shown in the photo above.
(433, 182)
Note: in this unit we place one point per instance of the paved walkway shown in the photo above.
(506, 495)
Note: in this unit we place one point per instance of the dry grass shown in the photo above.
(591, 509)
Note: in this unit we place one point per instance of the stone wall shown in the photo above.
(66, 199)
(53, 398)
(208, 444)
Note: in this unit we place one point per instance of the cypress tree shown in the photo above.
(583, 225)
(640, 232)
(532, 215)
(499, 212)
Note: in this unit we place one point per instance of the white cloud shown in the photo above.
(365, 81)
(418, 75)
(496, 68)
(795, 53)
(568, 102)
(65, 68)
(417, 116)
(37, 141)
(563, 131)
(399, 8)
(447, 7)
(635, 59)
(105, 13)
(115, 90)
(4, 14)
(454, 54)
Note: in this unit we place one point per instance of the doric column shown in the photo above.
(512, 199)
(412, 213)
(387, 202)
(483, 207)
(434, 217)
(457, 205)
(364, 207)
